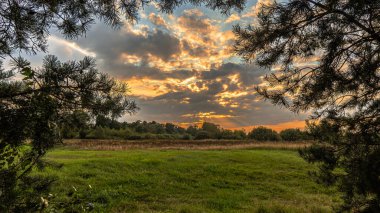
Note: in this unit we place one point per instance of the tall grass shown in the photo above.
(89, 144)
(189, 181)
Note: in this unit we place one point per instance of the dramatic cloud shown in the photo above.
(141, 43)
(255, 9)
(232, 18)
(157, 20)
(225, 95)
(181, 68)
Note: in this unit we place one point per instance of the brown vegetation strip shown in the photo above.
(179, 144)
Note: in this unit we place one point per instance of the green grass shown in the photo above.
(191, 181)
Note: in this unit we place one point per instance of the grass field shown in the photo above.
(256, 180)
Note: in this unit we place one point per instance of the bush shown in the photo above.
(240, 134)
(134, 137)
(148, 136)
(264, 134)
(68, 133)
(82, 134)
(202, 135)
(292, 135)
(97, 133)
(187, 137)
(227, 134)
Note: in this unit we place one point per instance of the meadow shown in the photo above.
(187, 180)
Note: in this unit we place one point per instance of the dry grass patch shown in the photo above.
(90, 144)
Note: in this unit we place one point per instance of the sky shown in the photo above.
(181, 67)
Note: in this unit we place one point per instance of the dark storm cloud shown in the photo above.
(109, 44)
(142, 70)
(248, 73)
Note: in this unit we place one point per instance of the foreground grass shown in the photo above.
(191, 181)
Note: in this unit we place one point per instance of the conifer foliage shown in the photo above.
(327, 59)
(34, 100)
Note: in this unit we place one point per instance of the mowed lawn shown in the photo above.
(191, 181)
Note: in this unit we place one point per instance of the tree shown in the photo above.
(73, 123)
(229, 134)
(240, 134)
(170, 128)
(292, 135)
(263, 134)
(201, 135)
(340, 83)
(157, 128)
(32, 108)
(192, 130)
(212, 129)
(226, 134)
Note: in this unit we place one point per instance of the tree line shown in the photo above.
(81, 125)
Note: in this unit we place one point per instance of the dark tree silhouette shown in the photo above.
(340, 40)
(33, 107)
(264, 134)
(293, 135)
(31, 111)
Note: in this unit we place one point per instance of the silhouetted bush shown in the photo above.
(82, 134)
(212, 129)
(202, 135)
(108, 133)
(134, 137)
(187, 137)
(264, 134)
(293, 135)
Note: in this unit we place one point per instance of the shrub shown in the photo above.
(202, 135)
(264, 134)
(134, 137)
(292, 135)
(149, 136)
(212, 129)
(240, 134)
(114, 133)
(97, 133)
(82, 134)
(68, 133)
(187, 137)
(227, 134)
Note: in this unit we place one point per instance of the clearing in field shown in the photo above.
(261, 180)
